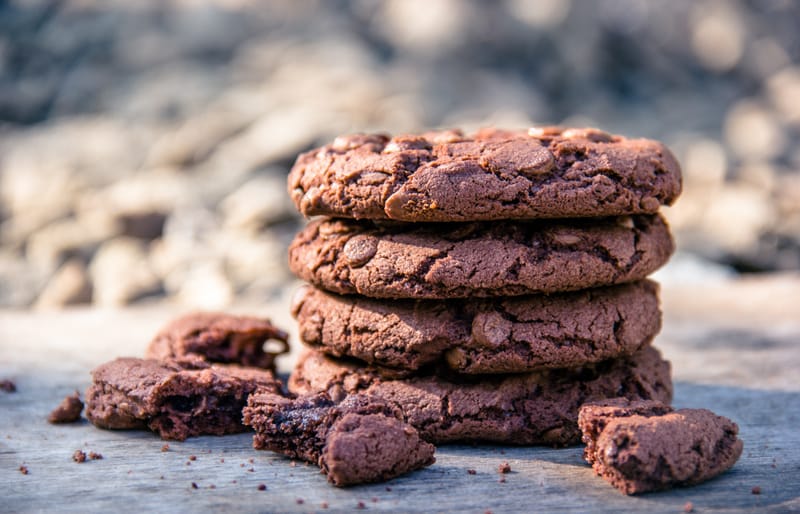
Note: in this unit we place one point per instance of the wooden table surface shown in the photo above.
(735, 349)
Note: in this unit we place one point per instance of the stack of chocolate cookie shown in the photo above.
(490, 284)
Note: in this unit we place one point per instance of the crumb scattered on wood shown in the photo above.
(95, 455)
(165, 448)
(756, 490)
(505, 467)
(194, 485)
(472, 472)
(23, 469)
(68, 411)
(8, 386)
(361, 505)
(324, 505)
(262, 487)
(192, 457)
(79, 456)
(688, 507)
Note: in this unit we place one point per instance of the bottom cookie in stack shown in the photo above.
(529, 408)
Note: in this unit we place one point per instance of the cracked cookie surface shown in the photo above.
(505, 335)
(528, 408)
(483, 259)
(547, 172)
(647, 446)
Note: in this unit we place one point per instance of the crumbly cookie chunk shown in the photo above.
(68, 411)
(647, 446)
(219, 337)
(361, 439)
(175, 399)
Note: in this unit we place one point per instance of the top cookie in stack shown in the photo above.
(494, 175)
(416, 280)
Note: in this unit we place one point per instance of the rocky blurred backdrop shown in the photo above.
(144, 145)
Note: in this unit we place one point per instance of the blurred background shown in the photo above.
(144, 145)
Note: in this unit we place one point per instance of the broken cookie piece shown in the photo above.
(362, 439)
(219, 337)
(176, 399)
(68, 411)
(641, 446)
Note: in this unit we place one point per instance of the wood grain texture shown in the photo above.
(741, 360)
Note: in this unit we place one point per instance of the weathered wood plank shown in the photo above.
(739, 365)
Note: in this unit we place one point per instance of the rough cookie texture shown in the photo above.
(175, 399)
(219, 337)
(646, 446)
(507, 335)
(446, 176)
(68, 411)
(361, 439)
(531, 408)
(437, 261)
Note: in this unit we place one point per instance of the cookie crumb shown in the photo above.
(374, 499)
(262, 487)
(8, 386)
(23, 469)
(251, 470)
(388, 488)
(502, 480)
(95, 455)
(165, 448)
(79, 456)
(192, 457)
(194, 485)
(324, 505)
(504, 468)
(472, 472)
(361, 505)
(251, 460)
(300, 501)
(212, 486)
(756, 490)
(292, 463)
(68, 411)
(688, 507)
(222, 461)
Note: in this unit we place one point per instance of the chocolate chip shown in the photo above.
(359, 250)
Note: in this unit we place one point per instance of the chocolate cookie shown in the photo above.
(545, 172)
(646, 446)
(177, 400)
(504, 335)
(362, 439)
(531, 408)
(219, 337)
(437, 261)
